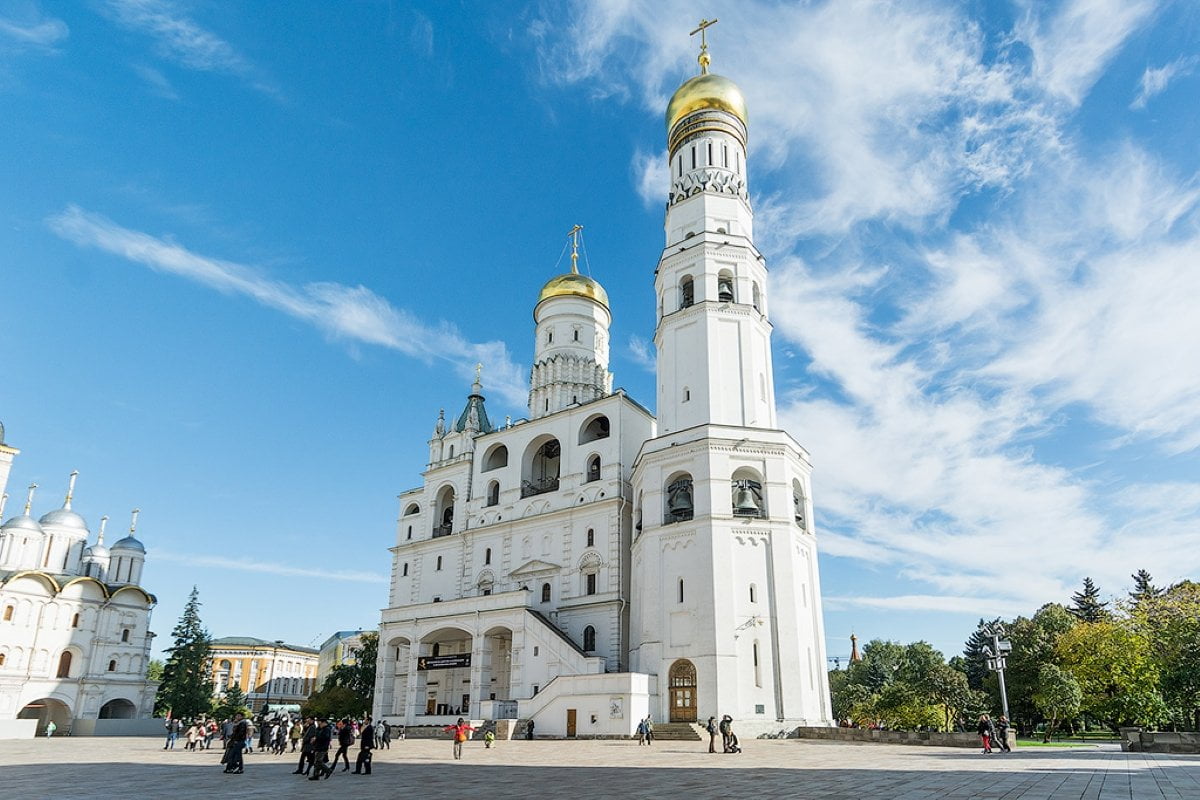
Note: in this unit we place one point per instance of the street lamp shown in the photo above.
(996, 662)
(271, 675)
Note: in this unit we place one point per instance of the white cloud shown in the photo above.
(1154, 80)
(651, 177)
(35, 32)
(982, 606)
(156, 81)
(267, 567)
(181, 39)
(343, 312)
(642, 352)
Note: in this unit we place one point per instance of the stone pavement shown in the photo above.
(131, 769)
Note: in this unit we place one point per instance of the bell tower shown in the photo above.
(726, 593)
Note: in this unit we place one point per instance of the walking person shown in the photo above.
(649, 731)
(345, 738)
(641, 732)
(306, 747)
(462, 731)
(296, 734)
(529, 731)
(320, 753)
(236, 745)
(51, 728)
(366, 744)
(724, 728)
(173, 727)
(1002, 734)
(985, 732)
(385, 735)
(711, 727)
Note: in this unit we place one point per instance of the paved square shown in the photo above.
(71, 769)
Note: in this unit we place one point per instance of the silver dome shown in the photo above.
(130, 543)
(24, 522)
(95, 551)
(64, 518)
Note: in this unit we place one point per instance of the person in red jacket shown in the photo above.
(462, 732)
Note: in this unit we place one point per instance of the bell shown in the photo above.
(745, 503)
(680, 501)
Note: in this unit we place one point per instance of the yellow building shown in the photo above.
(269, 673)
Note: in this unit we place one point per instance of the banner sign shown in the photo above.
(444, 662)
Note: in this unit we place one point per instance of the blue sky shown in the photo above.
(246, 253)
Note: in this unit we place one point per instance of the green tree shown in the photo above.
(1143, 588)
(1034, 640)
(948, 688)
(154, 670)
(1086, 604)
(1171, 620)
(1057, 697)
(186, 690)
(233, 700)
(357, 678)
(1116, 671)
(975, 660)
(334, 702)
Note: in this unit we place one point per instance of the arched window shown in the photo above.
(495, 458)
(75, 621)
(64, 664)
(681, 590)
(413, 508)
(590, 572)
(540, 472)
(444, 521)
(125, 635)
(487, 556)
(493, 493)
(3, 658)
(550, 337)
(112, 665)
(486, 582)
(595, 428)
(589, 639)
(757, 668)
(545, 593)
(439, 563)
(680, 502)
(799, 505)
(8, 613)
(753, 593)
(757, 298)
(747, 494)
(451, 451)
(404, 570)
(725, 285)
(593, 469)
(409, 531)
(687, 292)
(577, 334)
(591, 537)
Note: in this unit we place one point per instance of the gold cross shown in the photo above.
(704, 58)
(574, 234)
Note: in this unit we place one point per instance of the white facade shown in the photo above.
(74, 623)
(677, 555)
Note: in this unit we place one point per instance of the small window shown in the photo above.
(549, 337)
(439, 562)
(112, 666)
(410, 531)
(591, 583)
(681, 590)
(535, 649)
(125, 635)
(2, 659)
(589, 639)
(593, 469)
(75, 621)
(545, 593)
(687, 394)
(693, 156)
(8, 613)
(451, 451)
(753, 593)
(64, 664)
(487, 556)
(591, 538)
(404, 570)
(710, 158)
(687, 292)
(724, 155)
(577, 335)
(493, 493)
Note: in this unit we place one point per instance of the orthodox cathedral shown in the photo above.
(74, 621)
(594, 564)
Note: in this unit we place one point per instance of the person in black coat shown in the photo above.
(236, 744)
(320, 756)
(345, 738)
(1001, 738)
(306, 746)
(366, 743)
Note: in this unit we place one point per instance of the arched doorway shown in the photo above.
(45, 710)
(682, 680)
(118, 709)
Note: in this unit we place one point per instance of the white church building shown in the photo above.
(594, 564)
(74, 620)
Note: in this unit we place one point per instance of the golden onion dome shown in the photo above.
(574, 285)
(703, 92)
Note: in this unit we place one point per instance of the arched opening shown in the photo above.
(8, 613)
(747, 494)
(687, 394)
(637, 515)
(495, 458)
(545, 593)
(64, 665)
(118, 709)
(757, 298)
(687, 292)
(75, 621)
(725, 293)
(112, 665)
(487, 556)
(495, 671)
(757, 667)
(45, 711)
(540, 473)
(593, 469)
(493, 493)
(439, 564)
(486, 582)
(591, 537)
(394, 674)
(593, 429)
(680, 498)
(589, 571)
(412, 508)
(799, 505)
(682, 697)
(589, 639)
(444, 684)
(444, 509)
(451, 451)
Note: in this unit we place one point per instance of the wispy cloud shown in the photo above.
(1155, 79)
(267, 567)
(36, 31)
(353, 313)
(158, 82)
(181, 39)
(984, 606)
(642, 352)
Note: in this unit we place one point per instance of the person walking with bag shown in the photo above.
(345, 737)
(985, 732)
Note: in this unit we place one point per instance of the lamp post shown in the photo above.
(996, 662)
(271, 675)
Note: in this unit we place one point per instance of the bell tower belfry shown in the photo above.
(726, 606)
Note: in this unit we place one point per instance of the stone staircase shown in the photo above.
(678, 732)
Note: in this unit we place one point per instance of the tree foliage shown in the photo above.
(334, 702)
(1117, 674)
(1057, 696)
(900, 687)
(186, 690)
(973, 657)
(232, 701)
(154, 670)
(1086, 604)
(358, 679)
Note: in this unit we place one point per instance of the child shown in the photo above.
(488, 738)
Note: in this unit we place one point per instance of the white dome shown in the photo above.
(64, 518)
(130, 543)
(24, 522)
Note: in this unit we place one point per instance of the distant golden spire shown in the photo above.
(854, 656)
(704, 57)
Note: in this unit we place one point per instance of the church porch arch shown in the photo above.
(46, 710)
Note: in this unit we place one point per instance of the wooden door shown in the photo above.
(682, 695)
(570, 723)
(431, 706)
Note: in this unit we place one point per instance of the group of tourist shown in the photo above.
(317, 736)
(994, 734)
(729, 739)
(645, 731)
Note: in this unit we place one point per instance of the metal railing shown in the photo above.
(538, 486)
